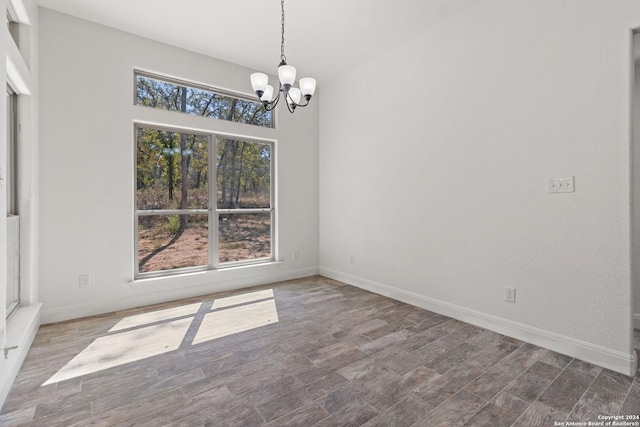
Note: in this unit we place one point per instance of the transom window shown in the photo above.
(202, 200)
(173, 95)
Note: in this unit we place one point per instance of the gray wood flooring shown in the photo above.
(308, 352)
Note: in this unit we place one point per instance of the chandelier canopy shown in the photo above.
(286, 77)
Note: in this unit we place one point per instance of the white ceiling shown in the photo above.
(322, 37)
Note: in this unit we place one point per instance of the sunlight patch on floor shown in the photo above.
(125, 347)
(144, 335)
(156, 316)
(233, 320)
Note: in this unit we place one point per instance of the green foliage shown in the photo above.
(173, 224)
(159, 170)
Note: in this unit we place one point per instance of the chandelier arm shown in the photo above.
(290, 106)
(302, 105)
(268, 106)
(289, 101)
(291, 110)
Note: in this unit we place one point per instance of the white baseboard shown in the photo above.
(176, 288)
(636, 320)
(601, 356)
(21, 330)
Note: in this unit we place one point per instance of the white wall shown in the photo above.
(635, 185)
(21, 72)
(87, 176)
(433, 166)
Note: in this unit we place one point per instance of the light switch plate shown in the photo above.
(509, 294)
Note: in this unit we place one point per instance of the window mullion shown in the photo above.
(213, 202)
(272, 192)
(172, 212)
(136, 234)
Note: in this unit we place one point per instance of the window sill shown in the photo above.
(22, 327)
(198, 278)
(20, 324)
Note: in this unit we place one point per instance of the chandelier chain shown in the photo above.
(282, 56)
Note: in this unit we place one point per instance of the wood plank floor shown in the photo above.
(308, 352)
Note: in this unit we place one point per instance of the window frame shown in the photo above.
(12, 179)
(12, 151)
(213, 212)
(271, 209)
(222, 92)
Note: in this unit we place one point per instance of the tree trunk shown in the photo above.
(234, 178)
(170, 167)
(240, 172)
(228, 176)
(222, 169)
(184, 164)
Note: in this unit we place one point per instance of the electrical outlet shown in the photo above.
(352, 259)
(296, 254)
(84, 281)
(560, 185)
(509, 294)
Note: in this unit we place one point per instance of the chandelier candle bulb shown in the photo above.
(287, 75)
(295, 95)
(259, 82)
(307, 87)
(268, 94)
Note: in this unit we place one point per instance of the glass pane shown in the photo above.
(164, 95)
(244, 236)
(172, 170)
(243, 174)
(167, 242)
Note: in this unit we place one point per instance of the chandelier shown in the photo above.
(286, 77)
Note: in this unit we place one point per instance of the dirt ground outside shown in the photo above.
(241, 237)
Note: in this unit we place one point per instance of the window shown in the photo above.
(202, 201)
(168, 94)
(13, 223)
